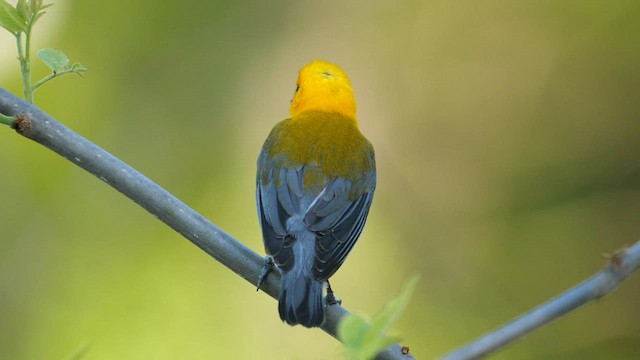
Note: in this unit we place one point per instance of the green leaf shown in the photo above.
(10, 18)
(33, 9)
(22, 8)
(56, 60)
(374, 345)
(38, 16)
(351, 330)
(359, 338)
(78, 69)
(38, 12)
(394, 308)
(35, 5)
(362, 338)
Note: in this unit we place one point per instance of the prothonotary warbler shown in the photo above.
(315, 182)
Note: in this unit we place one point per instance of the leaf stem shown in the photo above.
(53, 75)
(24, 55)
(28, 93)
(24, 68)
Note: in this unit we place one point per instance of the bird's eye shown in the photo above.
(297, 88)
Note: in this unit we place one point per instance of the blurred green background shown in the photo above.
(507, 140)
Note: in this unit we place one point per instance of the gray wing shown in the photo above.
(278, 199)
(338, 222)
(334, 215)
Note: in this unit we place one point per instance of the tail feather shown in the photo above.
(301, 300)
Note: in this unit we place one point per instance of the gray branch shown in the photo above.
(621, 265)
(34, 124)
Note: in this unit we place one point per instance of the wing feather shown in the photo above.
(336, 215)
(337, 222)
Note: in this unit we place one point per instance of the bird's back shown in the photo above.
(329, 144)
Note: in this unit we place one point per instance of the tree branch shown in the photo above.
(34, 124)
(621, 264)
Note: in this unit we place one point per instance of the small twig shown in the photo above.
(53, 75)
(40, 127)
(621, 264)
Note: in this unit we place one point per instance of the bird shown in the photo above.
(316, 176)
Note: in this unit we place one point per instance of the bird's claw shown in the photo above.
(331, 297)
(333, 300)
(267, 268)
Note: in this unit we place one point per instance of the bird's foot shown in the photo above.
(331, 297)
(267, 268)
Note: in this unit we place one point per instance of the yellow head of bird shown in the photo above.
(323, 86)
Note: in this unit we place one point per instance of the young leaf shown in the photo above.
(36, 10)
(22, 8)
(10, 18)
(394, 308)
(78, 69)
(352, 329)
(35, 5)
(56, 60)
(362, 338)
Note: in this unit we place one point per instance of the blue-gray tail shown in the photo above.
(301, 300)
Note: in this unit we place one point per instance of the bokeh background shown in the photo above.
(507, 140)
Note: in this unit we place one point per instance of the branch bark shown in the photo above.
(621, 265)
(36, 125)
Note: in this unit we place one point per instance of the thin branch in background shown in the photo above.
(621, 265)
(34, 124)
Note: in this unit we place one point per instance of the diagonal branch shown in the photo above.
(621, 265)
(34, 124)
